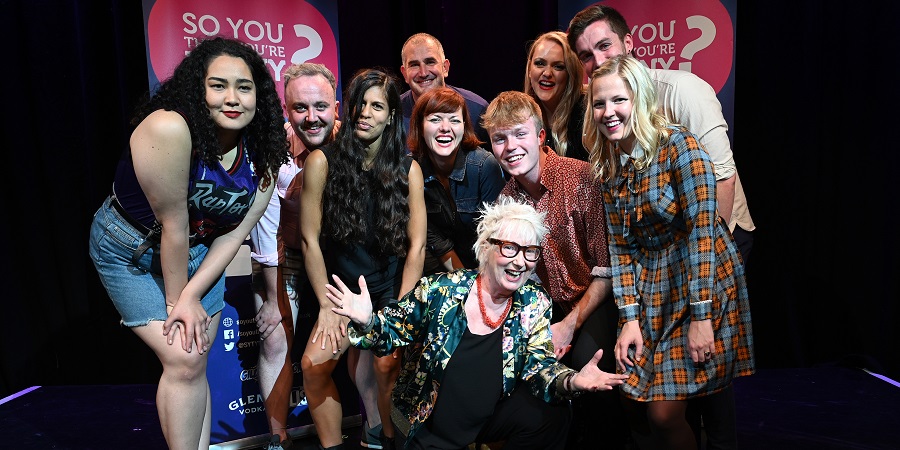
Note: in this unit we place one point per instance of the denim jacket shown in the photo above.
(430, 321)
(453, 216)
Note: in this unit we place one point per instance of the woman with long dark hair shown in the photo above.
(362, 215)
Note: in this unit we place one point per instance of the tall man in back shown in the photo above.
(575, 265)
(599, 32)
(279, 278)
(425, 68)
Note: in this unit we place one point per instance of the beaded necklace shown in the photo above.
(484, 317)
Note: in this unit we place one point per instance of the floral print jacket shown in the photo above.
(430, 320)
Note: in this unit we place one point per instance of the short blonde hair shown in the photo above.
(507, 213)
(511, 108)
(309, 70)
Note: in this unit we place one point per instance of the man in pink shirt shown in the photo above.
(312, 110)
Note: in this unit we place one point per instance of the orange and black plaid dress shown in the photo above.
(673, 261)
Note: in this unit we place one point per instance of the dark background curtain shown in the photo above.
(811, 97)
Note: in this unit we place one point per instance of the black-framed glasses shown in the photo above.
(511, 249)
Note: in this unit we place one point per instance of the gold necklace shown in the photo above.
(484, 317)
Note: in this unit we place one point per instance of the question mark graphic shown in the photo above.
(707, 34)
(315, 44)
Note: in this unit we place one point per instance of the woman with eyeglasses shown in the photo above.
(479, 362)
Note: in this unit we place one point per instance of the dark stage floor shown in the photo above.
(814, 408)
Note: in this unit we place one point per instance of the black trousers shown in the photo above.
(744, 241)
(597, 417)
(521, 421)
(527, 422)
(718, 419)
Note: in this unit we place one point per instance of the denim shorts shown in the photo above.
(137, 293)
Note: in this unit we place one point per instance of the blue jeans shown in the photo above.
(138, 293)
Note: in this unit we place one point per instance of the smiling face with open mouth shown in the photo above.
(504, 275)
(548, 73)
(518, 148)
(311, 108)
(424, 67)
(612, 105)
(443, 133)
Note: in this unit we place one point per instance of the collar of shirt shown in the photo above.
(458, 173)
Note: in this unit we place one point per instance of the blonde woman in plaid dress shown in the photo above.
(678, 278)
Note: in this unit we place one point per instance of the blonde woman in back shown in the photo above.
(554, 77)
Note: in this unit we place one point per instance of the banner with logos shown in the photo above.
(696, 36)
(283, 32)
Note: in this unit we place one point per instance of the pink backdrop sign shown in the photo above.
(283, 32)
(696, 36)
(693, 35)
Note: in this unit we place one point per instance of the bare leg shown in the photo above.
(321, 391)
(386, 370)
(360, 365)
(182, 398)
(207, 422)
(276, 378)
(275, 369)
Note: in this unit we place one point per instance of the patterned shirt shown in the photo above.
(575, 248)
(430, 321)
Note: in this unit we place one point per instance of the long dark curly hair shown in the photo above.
(185, 91)
(349, 186)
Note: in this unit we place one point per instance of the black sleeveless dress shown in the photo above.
(349, 260)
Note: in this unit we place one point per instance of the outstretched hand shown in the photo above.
(356, 307)
(591, 378)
